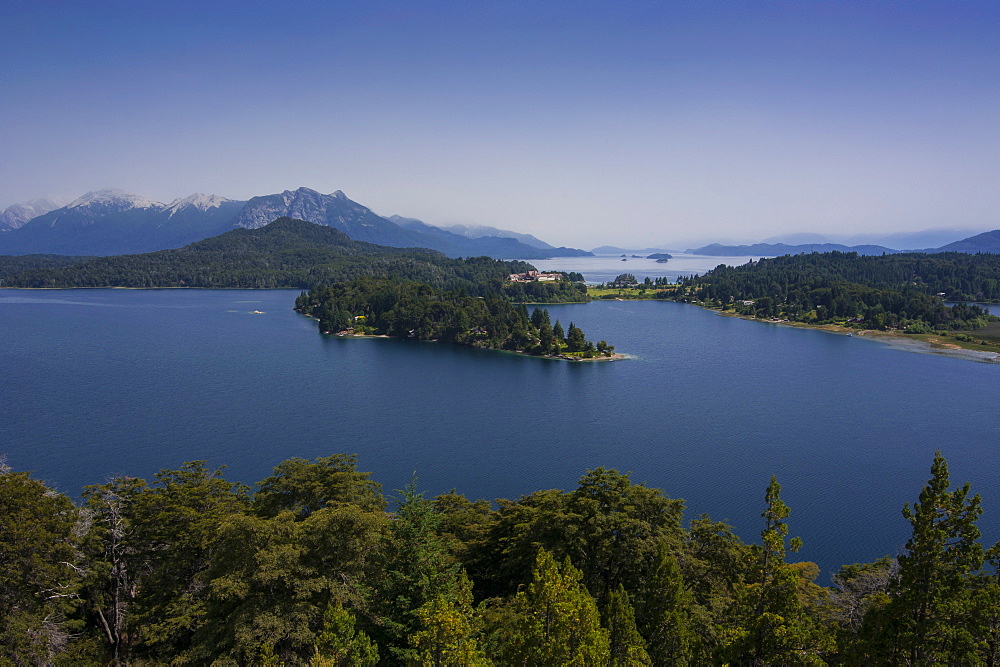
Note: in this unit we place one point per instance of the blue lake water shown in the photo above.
(97, 383)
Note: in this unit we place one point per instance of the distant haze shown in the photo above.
(587, 123)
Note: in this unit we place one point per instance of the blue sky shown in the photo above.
(584, 123)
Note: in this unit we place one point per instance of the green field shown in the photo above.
(638, 292)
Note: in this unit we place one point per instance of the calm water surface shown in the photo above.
(103, 382)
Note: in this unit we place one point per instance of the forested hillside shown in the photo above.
(890, 291)
(285, 253)
(308, 567)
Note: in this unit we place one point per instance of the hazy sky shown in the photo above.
(583, 123)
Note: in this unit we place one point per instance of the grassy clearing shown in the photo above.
(627, 292)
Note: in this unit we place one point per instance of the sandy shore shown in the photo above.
(920, 343)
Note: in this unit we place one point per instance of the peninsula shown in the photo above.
(887, 295)
(416, 311)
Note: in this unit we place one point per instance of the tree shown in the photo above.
(340, 643)
(39, 569)
(304, 487)
(114, 567)
(540, 316)
(448, 629)
(175, 527)
(418, 568)
(575, 340)
(666, 613)
(554, 622)
(558, 333)
(774, 626)
(615, 528)
(625, 643)
(272, 582)
(930, 603)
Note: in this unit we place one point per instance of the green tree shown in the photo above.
(930, 607)
(554, 621)
(558, 333)
(39, 570)
(341, 643)
(417, 568)
(666, 608)
(449, 627)
(540, 316)
(175, 527)
(774, 627)
(575, 340)
(272, 582)
(114, 568)
(615, 528)
(304, 487)
(626, 645)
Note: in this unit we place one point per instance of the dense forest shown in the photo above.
(904, 291)
(406, 309)
(309, 567)
(14, 264)
(286, 253)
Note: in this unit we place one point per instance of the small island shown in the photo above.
(417, 311)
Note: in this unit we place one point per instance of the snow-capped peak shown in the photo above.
(200, 201)
(115, 198)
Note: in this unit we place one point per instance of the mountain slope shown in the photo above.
(985, 242)
(113, 222)
(362, 224)
(474, 231)
(285, 253)
(15, 216)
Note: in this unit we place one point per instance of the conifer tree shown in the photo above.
(555, 621)
(626, 644)
(666, 613)
(449, 626)
(930, 603)
(775, 627)
(418, 568)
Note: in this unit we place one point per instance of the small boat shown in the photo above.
(257, 312)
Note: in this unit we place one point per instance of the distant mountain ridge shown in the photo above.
(779, 249)
(615, 250)
(480, 231)
(283, 253)
(114, 222)
(16, 215)
(985, 242)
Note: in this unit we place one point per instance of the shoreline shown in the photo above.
(919, 343)
(615, 356)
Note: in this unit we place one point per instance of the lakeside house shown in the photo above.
(534, 277)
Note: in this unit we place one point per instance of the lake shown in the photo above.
(605, 268)
(99, 383)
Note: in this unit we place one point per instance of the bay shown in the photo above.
(126, 382)
(605, 268)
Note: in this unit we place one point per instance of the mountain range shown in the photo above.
(283, 253)
(987, 242)
(14, 217)
(113, 222)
